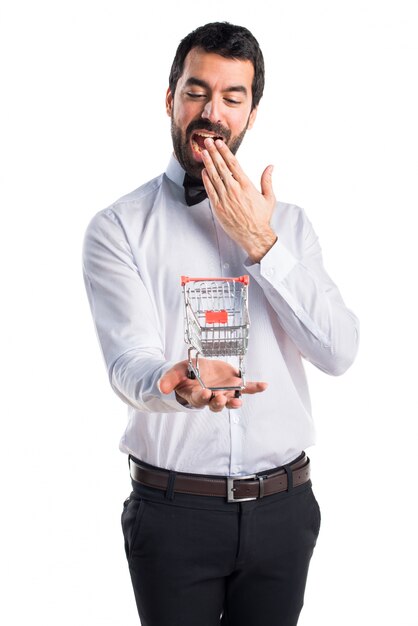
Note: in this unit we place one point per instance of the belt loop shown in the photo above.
(289, 473)
(169, 494)
(261, 485)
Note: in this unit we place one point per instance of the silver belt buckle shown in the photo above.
(230, 487)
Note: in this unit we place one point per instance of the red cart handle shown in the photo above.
(237, 279)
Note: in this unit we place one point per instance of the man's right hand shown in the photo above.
(215, 374)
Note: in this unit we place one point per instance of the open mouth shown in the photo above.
(198, 140)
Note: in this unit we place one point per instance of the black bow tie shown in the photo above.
(194, 190)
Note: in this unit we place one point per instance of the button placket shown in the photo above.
(235, 422)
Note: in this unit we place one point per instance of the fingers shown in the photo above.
(215, 401)
(220, 151)
(224, 170)
(223, 400)
(213, 194)
(251, 388)
(221, 165)
(220, 400)
(173, 377)
(201, 397)
(267, 183)
(190, 390)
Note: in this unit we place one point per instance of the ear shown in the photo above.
(252, 117)
(169, 102)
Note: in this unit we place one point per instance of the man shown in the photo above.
(206, 543)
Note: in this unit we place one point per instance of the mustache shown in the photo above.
(215, 128)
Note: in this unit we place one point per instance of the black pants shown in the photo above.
(201, 561)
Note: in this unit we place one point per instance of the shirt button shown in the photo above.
(235, 419)
(236, 469)
(226, 266)
(270, 271)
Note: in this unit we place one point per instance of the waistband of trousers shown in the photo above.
(231, 488)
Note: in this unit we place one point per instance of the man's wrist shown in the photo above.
(258, 249)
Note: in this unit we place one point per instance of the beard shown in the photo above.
(181, 143)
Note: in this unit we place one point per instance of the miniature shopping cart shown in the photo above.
(216, 322)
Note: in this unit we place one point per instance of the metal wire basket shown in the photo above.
(216, 322)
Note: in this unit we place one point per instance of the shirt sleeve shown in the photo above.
(307, 302)
(124, 318)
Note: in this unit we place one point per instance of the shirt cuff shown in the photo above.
(275, 265)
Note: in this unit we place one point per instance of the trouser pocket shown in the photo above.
(133, 510)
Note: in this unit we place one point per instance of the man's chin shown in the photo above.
(195, 172)
(194, 158)
(193, 168)
(197, 158)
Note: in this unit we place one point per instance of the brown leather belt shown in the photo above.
(233, 488)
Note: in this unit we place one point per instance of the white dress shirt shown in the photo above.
(134, 254)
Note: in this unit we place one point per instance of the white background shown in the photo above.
(83, 122)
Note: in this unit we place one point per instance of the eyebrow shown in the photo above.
(197, 82)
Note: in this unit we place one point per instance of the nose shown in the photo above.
(211, 111)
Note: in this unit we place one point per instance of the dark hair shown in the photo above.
(227, 40)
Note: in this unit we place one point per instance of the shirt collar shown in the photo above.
(174, 171)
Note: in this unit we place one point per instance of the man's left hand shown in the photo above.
(243, 212)
(215, 373)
